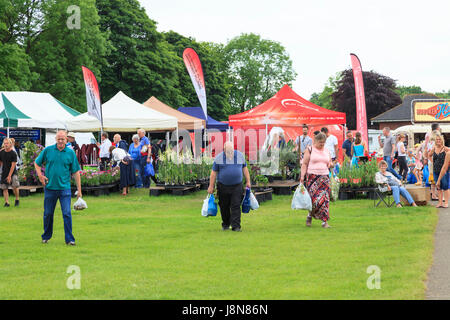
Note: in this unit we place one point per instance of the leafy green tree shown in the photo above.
(379, 91)
(62, 47)
(141, 63)
(211, 57)
(324, 99)
(402, 91)
(443, 94)
(257, 69)
(15, 73)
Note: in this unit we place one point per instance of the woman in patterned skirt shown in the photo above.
(315, 174)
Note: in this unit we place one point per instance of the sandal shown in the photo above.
(308, 221)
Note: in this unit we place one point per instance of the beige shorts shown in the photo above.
(14, 183)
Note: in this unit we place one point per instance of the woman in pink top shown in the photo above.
(315, 174)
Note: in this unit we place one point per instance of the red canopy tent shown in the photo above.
(288, 110)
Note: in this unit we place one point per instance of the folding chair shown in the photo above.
(383, 196)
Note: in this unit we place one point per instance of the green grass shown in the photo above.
(142, 247)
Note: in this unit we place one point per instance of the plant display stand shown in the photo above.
(96, 191)
(263, 194)
(175, 190)
(353, 193)
(283, 187)
(25, 191)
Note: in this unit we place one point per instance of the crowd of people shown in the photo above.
(318, 155)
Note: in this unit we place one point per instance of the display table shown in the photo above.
(421, 195)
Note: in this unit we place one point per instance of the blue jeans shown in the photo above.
(390, 169)
(397, 191)
(50, 199)
(145, 180)
(137, 172)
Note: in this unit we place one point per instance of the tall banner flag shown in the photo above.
(194, 67)
(361, 114)
(94, 106)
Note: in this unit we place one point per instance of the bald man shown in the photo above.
(60, 163)
(229, 167)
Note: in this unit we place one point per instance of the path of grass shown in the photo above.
(162, 248)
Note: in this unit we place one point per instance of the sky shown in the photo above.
(408, 41)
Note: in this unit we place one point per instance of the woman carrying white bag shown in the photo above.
(315, 176)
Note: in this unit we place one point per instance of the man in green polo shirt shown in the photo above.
(60, 163)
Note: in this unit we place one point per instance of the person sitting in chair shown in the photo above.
(390, 183)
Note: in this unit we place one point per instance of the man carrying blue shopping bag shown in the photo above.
(229, 166)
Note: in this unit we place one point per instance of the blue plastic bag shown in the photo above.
(212, 206)
(411, 178)
(149, 170)
(426, 174)
(246, 203)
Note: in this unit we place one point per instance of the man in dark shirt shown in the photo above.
(229, 166)
(8, 161)
(347, 145)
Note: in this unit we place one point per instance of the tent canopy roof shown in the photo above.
(287, 108)
(198, 113)
(34, 110)
(185, 121)
(123, 114)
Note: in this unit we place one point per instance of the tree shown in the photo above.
(379, 91)
(257, 69)
(211, 57)
(324, 99)
(141, 63)
(62, 48)
(402, 91)
(15, 73)
(443, 94)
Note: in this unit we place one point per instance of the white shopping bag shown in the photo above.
(80, 204)
(301, 199)
(253, 202)
(205, 206)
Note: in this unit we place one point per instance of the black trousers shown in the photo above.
(230, 198)
(103, 163)
(403, 167)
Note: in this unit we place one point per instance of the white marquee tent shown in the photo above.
(123, 114)
(33, 110)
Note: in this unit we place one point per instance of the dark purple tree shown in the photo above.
(379, 91)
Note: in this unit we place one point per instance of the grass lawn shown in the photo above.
(141, 247)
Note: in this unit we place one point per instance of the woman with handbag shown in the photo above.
(315, 174)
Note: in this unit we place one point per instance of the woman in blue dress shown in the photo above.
(359, 149)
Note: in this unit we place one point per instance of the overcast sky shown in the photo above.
(408, 41)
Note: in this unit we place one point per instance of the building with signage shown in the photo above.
(403, 114)
(417, 110)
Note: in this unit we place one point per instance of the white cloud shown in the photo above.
(408, 41)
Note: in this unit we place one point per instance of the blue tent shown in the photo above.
(198, 113)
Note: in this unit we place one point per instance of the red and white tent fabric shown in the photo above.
(288, 110)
